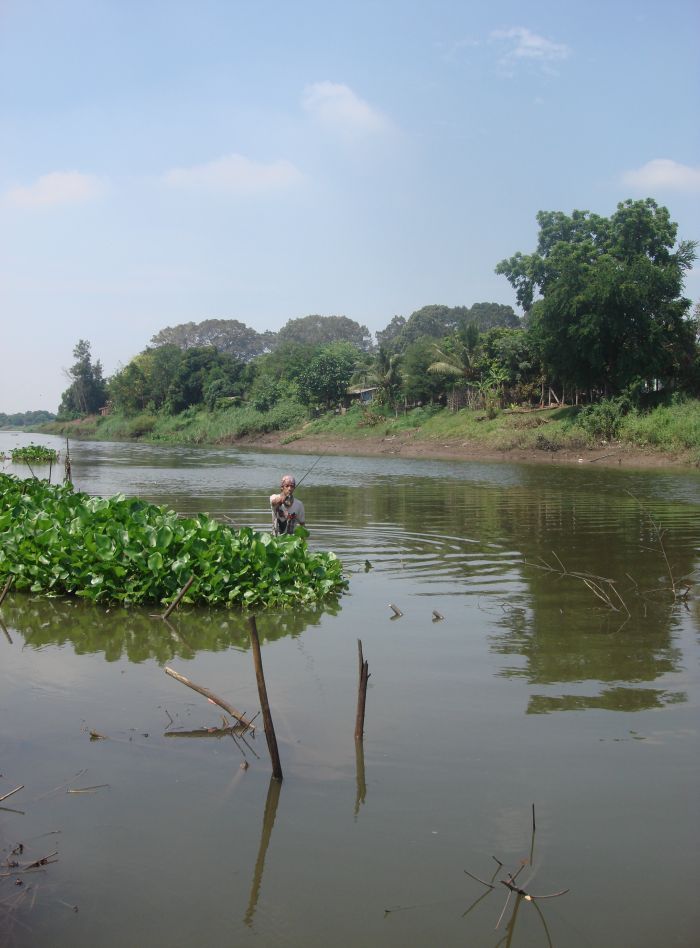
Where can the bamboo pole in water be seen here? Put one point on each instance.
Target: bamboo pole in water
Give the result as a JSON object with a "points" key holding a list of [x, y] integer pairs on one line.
{"points": [[177, 599], [6, 588], [361, 694], [264, 704]]}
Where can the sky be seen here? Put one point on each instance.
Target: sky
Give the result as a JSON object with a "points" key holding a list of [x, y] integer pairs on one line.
{"points": [[170, 162]]}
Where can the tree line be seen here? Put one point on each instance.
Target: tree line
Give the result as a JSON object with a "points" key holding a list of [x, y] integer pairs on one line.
{"points": [[25, 419], [604, 316]]}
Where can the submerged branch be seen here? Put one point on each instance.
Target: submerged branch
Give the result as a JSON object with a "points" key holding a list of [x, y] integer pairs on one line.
{"points": [[215, 699]]}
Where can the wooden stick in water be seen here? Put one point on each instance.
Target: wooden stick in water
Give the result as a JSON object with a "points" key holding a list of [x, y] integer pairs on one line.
{"points": [[6, 588], [21, 787], [238, 715], [175, 603], [361, 694], [264, 704]]}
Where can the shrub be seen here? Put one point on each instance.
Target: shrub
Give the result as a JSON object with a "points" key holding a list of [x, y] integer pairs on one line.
{"points": [[604, 419]]}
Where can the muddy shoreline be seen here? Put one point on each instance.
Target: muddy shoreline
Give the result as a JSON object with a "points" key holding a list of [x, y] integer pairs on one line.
{"points": [[408, 446]]}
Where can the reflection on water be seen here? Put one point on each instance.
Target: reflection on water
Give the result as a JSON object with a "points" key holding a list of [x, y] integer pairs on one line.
{"points": [[271, 803], [133, 633], [609, 699], [460, 734]]}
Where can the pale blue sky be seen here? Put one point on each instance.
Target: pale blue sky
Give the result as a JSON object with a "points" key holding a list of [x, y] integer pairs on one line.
{"points": [[162, 162]]}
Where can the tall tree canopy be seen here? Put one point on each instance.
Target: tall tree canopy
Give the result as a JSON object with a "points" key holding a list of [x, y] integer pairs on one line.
{"points": [[437, 321], [168, 377], [324, 330], [87, 390], [326, 379], [226, 335], [610, 313]]}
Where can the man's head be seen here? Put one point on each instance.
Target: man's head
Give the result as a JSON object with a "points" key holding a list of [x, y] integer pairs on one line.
{"points": [[288, 483]]}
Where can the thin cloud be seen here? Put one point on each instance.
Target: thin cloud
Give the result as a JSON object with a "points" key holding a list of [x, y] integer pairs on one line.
{"points": [[56, 188], [237, 176], [664, 174], [522, 46], [452, 50], [337, 107]]}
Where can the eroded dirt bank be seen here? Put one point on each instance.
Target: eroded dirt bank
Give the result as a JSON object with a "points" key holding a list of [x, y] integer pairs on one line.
{"points": [[407, 446]]}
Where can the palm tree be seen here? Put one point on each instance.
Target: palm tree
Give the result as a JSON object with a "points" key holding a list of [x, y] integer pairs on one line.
{"points": [[383, 373]]}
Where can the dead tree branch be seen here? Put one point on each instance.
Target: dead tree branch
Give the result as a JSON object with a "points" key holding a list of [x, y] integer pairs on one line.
{"points": [[238, 715]]}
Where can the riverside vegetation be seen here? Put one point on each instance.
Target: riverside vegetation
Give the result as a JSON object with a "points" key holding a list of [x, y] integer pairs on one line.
{"points": [[57, 541], [607, 341], [670, 429]]}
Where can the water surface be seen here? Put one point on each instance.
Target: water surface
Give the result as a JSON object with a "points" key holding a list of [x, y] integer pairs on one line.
{"points": [[533, 689]]}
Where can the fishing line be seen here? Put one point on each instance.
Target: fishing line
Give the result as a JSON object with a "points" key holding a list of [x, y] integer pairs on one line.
{"points": [[312, 467]]}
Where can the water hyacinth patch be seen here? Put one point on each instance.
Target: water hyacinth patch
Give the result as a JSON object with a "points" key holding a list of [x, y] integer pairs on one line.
{"points": [[58, 541], [35, 454]]}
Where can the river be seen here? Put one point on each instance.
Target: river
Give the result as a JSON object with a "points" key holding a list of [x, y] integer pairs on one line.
{"points": [[516, 683]]}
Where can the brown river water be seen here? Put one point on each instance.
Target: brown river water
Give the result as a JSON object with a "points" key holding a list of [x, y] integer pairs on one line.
{"points": [[541, 690]]}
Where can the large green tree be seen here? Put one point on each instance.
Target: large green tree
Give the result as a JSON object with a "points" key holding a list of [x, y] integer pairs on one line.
{"points": [[87, 391], [324, 330], [419, 385], [226, 335], [326, 378], [438, 321], [197, 372], [610, 312]]}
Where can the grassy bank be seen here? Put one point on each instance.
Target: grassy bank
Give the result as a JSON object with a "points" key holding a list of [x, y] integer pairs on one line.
{"points": [[672, 429]]}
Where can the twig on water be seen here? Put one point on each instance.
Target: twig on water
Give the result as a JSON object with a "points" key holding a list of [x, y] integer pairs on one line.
{"points": [[510, 882], [477, 879], [99, 786], [217, 732], [660, 540], [602, 587], [16, 790], [44, 861], [212, 697]]}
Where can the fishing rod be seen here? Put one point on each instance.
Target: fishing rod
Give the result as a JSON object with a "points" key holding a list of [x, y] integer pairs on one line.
{"points": [[323, 453]]}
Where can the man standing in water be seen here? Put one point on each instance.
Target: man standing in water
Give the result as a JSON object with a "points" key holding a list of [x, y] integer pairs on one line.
{"points": [[287, 511]]}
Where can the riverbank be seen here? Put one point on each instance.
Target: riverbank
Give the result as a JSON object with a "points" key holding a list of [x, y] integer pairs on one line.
{"points": [[408, 446], [668, 436]]}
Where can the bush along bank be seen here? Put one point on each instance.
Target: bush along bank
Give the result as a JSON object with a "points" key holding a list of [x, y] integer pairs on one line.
{"points": [[671, 428], [57, 541]]}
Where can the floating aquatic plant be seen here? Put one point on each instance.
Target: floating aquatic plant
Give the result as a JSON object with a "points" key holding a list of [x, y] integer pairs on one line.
{"points": [[35, 454], [58, 541]]}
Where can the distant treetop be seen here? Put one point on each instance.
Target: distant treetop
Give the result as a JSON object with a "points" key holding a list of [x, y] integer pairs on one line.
{"points": [[437, 321], [226, 335], [322, 330]]}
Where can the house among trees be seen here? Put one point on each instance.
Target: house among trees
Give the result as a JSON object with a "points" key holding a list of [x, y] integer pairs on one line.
{"points": [[362, 395]]}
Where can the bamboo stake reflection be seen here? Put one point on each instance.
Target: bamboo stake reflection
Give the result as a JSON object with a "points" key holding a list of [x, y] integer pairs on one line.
{"points": [[360, 775], [273, 796]]}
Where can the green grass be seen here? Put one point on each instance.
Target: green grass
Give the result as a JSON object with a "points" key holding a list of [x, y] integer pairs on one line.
{"points": [[672, 428]]}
